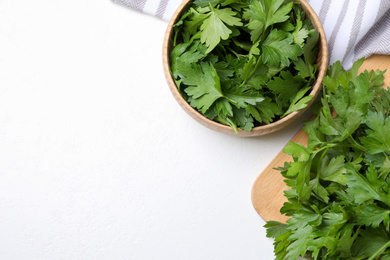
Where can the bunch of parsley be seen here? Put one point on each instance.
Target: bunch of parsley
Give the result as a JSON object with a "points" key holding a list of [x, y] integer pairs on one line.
{"points": [[339, 196], [244, 63]]}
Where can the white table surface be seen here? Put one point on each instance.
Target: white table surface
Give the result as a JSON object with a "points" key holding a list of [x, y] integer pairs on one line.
{"points": [[98, 161]]}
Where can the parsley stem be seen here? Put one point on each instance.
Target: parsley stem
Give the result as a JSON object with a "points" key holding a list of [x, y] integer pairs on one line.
{"points": [[324, 148], [320, 161], [356, 144], [175, 38], [252, 72], [211, 7], [227, 121], [231, 100], [379, 251], [239, 56]]}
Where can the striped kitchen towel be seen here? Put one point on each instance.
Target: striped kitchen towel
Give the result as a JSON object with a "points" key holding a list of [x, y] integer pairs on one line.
{"points": [[354, 28]]}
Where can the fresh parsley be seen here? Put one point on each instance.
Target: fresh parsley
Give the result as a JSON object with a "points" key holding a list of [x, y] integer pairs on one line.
{"points": [[244, 63], [339, 185]]}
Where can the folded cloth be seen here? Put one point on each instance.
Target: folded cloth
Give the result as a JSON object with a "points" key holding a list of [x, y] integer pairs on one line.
{"points": [[354, 28], [163, 9]]}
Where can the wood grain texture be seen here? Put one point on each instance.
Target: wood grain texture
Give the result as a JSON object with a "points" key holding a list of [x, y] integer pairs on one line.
{"points": [[267, 191], [322, 63]]}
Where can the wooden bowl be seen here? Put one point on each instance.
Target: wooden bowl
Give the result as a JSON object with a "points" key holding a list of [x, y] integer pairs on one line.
{"points": [[322, 63]]}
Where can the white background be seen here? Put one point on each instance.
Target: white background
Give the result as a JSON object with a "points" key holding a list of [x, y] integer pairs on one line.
{"points": [[98, 161]]}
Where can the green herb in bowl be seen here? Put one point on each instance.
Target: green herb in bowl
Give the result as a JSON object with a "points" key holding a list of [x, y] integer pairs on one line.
{"points": [[246, 64]]}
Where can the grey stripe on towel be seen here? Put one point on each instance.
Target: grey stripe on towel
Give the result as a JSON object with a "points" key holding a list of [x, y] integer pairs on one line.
{"points": [[135, 4], [335, 32], [357, 22], [324, 10], [161, 8], [377, 39]]}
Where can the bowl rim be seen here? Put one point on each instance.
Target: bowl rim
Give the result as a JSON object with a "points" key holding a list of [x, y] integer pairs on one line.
{"points": [[322, 63]]}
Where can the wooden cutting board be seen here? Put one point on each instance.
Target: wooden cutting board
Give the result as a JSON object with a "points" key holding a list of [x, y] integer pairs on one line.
{"points": [[267, 191]]}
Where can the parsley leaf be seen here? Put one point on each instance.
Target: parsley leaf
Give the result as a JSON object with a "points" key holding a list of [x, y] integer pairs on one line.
{"points": [[299, 245], [265, 13], [206, 89], [364, 189], [299, 101], [241, 98], [278, 48], [214, 27], [286, 87], [377, 139], [373, 215], [265, 111], [299, 33]]}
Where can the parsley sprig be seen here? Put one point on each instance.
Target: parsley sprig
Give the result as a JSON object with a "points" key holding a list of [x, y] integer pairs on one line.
{"points": [[244, 63], [339, 196]]}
